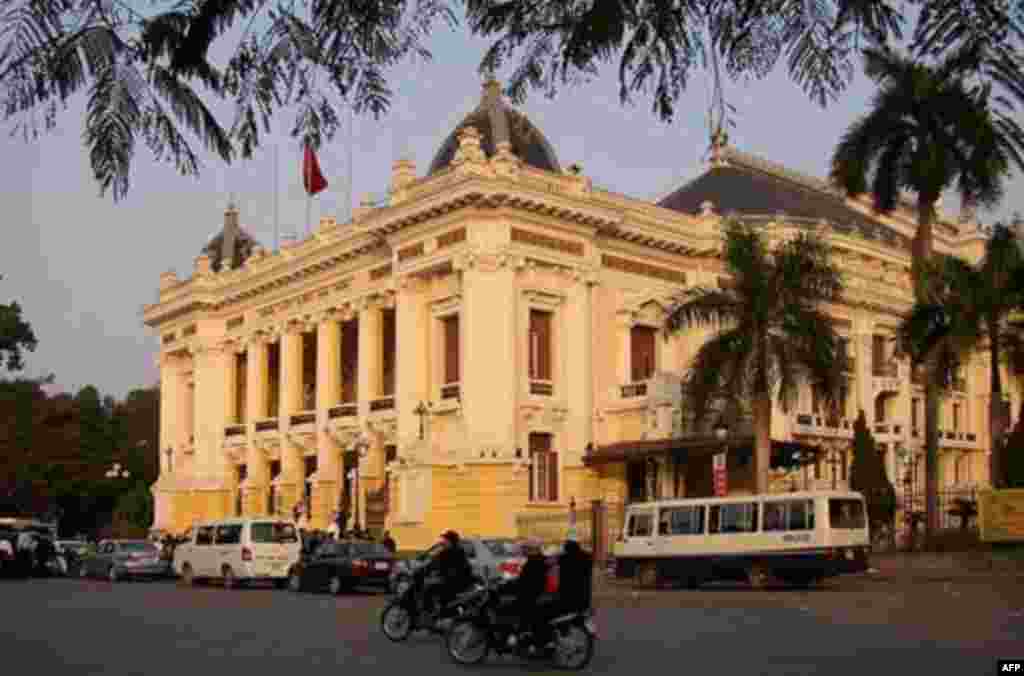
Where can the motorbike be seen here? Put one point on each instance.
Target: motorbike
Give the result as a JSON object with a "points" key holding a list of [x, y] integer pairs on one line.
{"points": [[486, 626], [405, 613]]}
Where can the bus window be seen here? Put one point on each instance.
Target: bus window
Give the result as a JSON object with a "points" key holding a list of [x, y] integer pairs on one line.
{"points": [[739, 518], [683, 520], [640, 525], [846, 513], [788, 515]]}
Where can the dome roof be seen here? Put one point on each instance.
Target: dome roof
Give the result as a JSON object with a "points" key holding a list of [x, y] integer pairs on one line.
{"points": [[244, 246], [497, 122]]}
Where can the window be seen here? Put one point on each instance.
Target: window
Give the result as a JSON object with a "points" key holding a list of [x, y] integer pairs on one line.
{"points": [[349, 360], [880, 408], [789, 515], [273, 379], [451, 349], [204, 536], [739, 518], [241, 374], [956, 417], [543, 469], [387, 357], [846, 514], [682, 521], [640, 525], [642, 352], [914, 405], [540, 345], [274, 532], [816, 399], [229, 535]]}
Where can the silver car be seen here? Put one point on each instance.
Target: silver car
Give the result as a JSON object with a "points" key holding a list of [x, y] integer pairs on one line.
{"points": [[123, 559], [491, 558]]}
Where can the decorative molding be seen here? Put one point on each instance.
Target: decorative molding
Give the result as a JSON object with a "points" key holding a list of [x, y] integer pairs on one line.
{"points": [[644, 269], [536, 239], [409, 252], [544, 299], [446, 306], [451, 238], [381, 272]]}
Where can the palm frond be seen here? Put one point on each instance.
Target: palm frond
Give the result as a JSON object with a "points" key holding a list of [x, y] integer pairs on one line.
{"points": [[113, 116], [720, 366], [699, 306]]}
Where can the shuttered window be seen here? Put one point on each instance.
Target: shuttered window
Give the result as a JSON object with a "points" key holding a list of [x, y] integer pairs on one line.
{"points": [[451, 349], [388, 345], [241, 374], [540, 345], [543, 469], [642, 345], [273, 379]]}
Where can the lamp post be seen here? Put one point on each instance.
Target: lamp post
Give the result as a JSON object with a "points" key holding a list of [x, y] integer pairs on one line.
{"points": [[719, 467], [422, 410], [361, 447], [802, 457]]}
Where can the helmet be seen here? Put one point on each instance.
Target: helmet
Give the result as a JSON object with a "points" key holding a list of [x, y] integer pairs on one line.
{"points": [[451, 536], [571, 547]]}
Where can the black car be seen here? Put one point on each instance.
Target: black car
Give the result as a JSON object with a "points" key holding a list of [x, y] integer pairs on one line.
{"points": [[339, 566]]}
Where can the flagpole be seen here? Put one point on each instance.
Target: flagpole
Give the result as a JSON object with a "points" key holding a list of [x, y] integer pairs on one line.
{"points": [[309, 186], [277, 225]]}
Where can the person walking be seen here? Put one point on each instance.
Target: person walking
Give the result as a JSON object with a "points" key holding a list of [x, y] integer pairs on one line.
{"points": [[389, 542]]}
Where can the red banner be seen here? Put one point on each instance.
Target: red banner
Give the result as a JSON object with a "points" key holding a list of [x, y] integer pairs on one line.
{"points": [[312, 179]]}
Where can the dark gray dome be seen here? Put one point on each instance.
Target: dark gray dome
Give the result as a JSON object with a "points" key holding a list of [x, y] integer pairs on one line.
{"points": [[497, 122], [244, 245]]}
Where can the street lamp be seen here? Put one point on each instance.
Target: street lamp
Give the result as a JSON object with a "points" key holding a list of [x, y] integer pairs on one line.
{"points": [[802, 458], [721, 430], [422, 410], [361, 448]]}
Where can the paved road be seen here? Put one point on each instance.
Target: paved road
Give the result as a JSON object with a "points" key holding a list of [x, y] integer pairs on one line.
{"points": [[90, 628]]}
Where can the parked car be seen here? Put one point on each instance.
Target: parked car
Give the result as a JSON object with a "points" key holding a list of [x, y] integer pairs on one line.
{"points": [[123, 559], [339, 566], [491, 558], [239, 550]]}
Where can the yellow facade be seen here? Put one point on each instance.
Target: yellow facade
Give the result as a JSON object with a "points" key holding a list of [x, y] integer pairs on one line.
{"points": [[489, 239]]}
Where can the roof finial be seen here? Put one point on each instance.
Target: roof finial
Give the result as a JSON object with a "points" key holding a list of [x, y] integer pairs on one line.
{"points": [[719, 141], [232, 201], [492, 89]]}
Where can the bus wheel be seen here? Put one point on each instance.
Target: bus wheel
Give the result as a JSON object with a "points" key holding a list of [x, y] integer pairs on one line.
{"points": [[758, 576]]}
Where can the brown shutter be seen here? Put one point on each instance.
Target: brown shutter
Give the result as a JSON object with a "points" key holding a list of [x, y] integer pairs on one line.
{"points": [[552, 459], [388, 352], [241, 369], [544, 342], [642, 343], [451, 349]]}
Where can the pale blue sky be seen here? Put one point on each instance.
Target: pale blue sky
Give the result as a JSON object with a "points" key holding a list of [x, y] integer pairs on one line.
{"points": [[83, 267]]}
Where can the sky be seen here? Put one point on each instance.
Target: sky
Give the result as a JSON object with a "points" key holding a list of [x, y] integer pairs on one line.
{"points": [[83, 266]]}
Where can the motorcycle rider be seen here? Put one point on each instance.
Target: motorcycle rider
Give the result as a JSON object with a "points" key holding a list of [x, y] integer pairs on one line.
{"points": [[528, 588], [575, 578], [456, 573]]}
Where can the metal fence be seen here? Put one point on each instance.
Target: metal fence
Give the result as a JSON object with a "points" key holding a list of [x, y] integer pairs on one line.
{"points": [[553, 528], [948, 500]]}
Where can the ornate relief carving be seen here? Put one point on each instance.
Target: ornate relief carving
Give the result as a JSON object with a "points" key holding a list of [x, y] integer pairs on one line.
{"points": [[446, 305], [451, 238], [536, 239], [645, 269], [543, 298]]}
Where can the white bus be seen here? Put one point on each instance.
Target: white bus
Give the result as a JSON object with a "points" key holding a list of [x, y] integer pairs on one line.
{"points": [[795, 538]]}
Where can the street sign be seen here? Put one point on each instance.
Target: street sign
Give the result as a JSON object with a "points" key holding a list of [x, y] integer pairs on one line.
{"points": [[720, 474]]}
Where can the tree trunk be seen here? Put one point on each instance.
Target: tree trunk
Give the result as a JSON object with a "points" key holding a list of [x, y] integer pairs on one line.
{"points": [[922, 255], [762, 441], [998, 411]]}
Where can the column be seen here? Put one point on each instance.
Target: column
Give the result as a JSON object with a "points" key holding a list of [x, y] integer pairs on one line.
{"points": [[328, 363], [170, 411], [292, 470], [369, 355], [489, 327], [413, 383], [325, 490], [578, 390], [256, 382], [865, 384], [211, 462]]}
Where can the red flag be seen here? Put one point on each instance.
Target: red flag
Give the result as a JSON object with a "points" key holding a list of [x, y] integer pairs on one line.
{"points": [[312, 179]]}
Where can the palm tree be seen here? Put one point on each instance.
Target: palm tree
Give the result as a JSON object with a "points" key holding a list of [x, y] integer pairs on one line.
{"points": [[970, 312], [772, 333], [928, 130]]}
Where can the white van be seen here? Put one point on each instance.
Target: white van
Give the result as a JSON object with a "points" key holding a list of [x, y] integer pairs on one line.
{"points": [[238, 551], [796, 538]]}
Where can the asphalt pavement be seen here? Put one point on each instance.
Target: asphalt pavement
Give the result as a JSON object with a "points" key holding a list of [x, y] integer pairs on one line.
{"points": [[93, 628]]}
